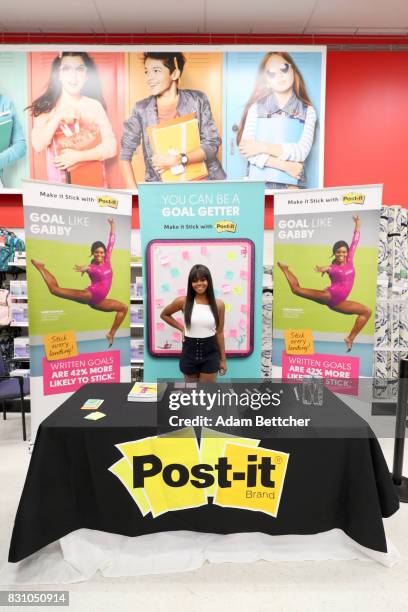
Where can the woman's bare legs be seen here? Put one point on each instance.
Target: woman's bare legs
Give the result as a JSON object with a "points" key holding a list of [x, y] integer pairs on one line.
{"points": [[363, 314], [82, 296], [191, 377], [113, 306], [321, 296], [208, 377]]}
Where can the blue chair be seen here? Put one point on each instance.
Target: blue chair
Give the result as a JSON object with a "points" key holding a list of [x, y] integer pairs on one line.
{"points": [[13, 387]]}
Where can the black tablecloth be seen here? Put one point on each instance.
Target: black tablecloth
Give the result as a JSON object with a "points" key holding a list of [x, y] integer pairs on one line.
{"points": [[332, 481]]}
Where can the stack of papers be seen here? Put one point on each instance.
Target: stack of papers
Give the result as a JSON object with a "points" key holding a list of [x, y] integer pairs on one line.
{"points": [[147, 392]]}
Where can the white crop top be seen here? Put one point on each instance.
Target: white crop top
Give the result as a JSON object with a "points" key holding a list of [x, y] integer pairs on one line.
{"points": [[202, 322]]}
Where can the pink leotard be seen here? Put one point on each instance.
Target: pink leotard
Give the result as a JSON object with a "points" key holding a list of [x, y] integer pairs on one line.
{"points": [[342, 277], [101, 275]]}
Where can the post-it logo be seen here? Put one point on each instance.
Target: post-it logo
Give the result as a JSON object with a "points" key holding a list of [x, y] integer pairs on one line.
{"points": [[104, 201], [61, 345], [171, 472], [226, 226], [353, 198]]}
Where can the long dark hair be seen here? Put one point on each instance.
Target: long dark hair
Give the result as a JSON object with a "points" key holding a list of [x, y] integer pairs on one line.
{"points": [[92, 86], [262, 89], [96, 245], [337, 245], [198, 272]]}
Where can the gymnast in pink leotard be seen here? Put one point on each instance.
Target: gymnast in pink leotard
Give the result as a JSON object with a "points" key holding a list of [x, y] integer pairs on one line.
{"points": [[341, 273], [100, 273]]}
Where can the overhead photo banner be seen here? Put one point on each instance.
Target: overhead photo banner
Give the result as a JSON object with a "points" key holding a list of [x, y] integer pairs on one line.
{"points": [[78, 266], [216, 225], [325, 283], [108, 117]]}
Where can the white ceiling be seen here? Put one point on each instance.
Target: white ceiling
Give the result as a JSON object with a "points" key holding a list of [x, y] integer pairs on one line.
{"points": [[385, 17]]}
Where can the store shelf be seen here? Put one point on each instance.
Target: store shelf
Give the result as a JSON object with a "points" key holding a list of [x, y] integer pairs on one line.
{"points": [[138, 300], [136, 361], [17, 264], [18, 324], [135, 264], [19, 359], [19, 297], [388, 349], [136, 325]]}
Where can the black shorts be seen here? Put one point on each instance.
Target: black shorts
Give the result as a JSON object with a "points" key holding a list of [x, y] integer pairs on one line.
{"points": [[200, 355]]}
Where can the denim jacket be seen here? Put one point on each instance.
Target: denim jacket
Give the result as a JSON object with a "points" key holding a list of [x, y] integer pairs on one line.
{"points": [[144, 114], [18, 146]]}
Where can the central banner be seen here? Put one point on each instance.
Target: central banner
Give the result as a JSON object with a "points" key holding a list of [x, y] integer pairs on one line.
{"points": [[213, 230]]}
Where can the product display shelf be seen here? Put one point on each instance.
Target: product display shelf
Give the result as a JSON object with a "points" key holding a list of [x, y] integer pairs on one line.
{"points": [[136, 331]]}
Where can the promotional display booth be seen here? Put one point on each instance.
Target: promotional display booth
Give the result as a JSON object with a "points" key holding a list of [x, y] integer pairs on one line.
{"points": [[203, 382]]}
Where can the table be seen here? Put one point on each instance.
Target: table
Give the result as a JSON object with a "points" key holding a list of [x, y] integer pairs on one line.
{"points": [[336, 476]]}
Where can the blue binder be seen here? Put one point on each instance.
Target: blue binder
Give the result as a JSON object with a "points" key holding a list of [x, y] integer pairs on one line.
{"points": [[276, 130]]}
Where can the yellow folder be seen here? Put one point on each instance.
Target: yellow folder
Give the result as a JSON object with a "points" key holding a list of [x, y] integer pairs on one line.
{"points": [[181, 135]]}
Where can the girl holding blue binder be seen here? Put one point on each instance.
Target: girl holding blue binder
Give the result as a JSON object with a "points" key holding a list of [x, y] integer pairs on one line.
{"points": [[278, 124]]}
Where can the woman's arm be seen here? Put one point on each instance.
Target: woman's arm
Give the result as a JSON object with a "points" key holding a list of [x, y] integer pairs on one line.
{"points": [[104, 150], [294, 169], [18, 146], [111, 240], [131, 139], [46, 124], [81, 269], [255, 151], [175, 306], [355, 239], [322, 269], [219, 336], [298, 151]]}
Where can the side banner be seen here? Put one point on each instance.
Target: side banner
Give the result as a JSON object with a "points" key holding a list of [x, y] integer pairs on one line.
{"points": [[216, 225], [78, 275], [325, 281]]}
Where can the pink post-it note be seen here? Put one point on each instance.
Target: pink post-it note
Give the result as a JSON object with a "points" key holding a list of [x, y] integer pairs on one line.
{"points": [[204, 250], [242, 324], [181, 292], [243, 275], [244, 308], [159, 303], [233, 333], [185, 255], [164, 260], [176, 336], [226, 288], [160, 326]]}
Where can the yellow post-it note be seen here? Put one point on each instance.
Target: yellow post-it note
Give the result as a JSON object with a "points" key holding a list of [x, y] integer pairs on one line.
{"points": [[95, 416], [299, 342], [212, 448], [92, 404], [60, 345], [261, 479], [231, 256], [179, 447], [237, 290], [124, 472]]}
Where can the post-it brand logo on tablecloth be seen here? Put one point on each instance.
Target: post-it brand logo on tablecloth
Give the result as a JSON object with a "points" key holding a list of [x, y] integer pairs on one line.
{"points": [[171, 472], [354, 198], [104, 201], [60, 345], [226, 226]]}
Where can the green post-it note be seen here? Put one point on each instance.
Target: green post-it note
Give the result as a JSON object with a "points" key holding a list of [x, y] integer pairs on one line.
{"points": [[95, 416], [92, 404]]}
